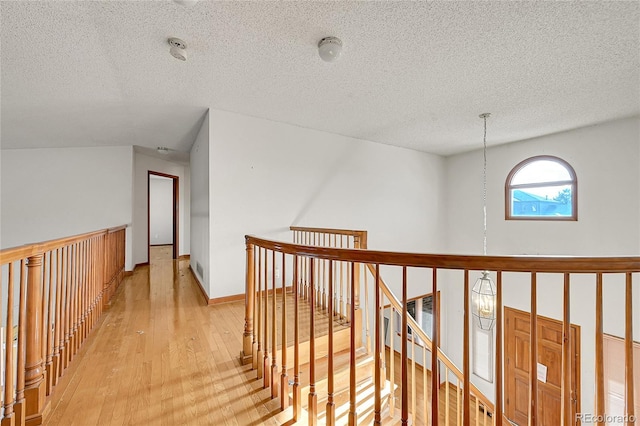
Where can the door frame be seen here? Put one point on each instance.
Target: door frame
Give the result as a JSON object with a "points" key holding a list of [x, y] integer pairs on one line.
{"points": [[577, 356], [176, 193]]}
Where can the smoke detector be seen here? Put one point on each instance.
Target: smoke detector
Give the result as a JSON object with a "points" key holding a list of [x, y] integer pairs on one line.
{"points": [[178, 48]]}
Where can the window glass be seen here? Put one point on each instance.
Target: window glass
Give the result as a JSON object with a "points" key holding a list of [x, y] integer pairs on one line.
{"points": [[541, 188]]}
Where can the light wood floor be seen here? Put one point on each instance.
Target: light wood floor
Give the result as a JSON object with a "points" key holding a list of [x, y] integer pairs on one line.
{"points": [[161, 357]]}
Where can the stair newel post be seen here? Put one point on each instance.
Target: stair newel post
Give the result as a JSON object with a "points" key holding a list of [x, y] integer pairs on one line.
{"points": [[353, 415], [331, 407], [249, 299], [297, 404], [313, 397], [356, 314], [284, 379], [266, 377], [34, 382], [378, 350], [274, 334]]}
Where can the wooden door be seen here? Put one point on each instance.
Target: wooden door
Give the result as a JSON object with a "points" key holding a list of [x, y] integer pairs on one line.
{"points": [[516, 342]]}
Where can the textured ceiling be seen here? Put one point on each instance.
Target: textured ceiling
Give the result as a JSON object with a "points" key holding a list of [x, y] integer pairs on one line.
{"points": [[412, 74]]}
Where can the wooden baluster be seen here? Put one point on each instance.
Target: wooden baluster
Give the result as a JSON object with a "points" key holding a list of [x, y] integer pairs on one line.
{"points": [[331, 408], [43, 286], [25, 277], [600, 407], [256, 312], [403, 341], [82, 296], [425, 387], [628, 356], [8, 418], [342, 313], [274, 334], [305, 272], [297, 404], [265, 360], [91, 298], [66, 310], [414, 386], [106, 254], [350, 288], [497, 417], [81, 289], [459, 407], [533, 354], [355, 294], [366, 311], [260, 353], [378, 352], [284, 379], [34, 374], [323, 278], [49, 327], [435, 344], [567, 363], [466, 371], [312, 405], [74, 301], [249, 300], [336, 305], [446, 397], [353, 415], [477, 412], [55, 369], [392, 360]]}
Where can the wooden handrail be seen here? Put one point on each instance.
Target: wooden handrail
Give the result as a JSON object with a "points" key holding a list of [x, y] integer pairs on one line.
{"points": [[12, 254], [539, 264]]}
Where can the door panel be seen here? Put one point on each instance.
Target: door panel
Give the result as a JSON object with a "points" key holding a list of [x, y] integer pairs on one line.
{"points": [[517, 365]]}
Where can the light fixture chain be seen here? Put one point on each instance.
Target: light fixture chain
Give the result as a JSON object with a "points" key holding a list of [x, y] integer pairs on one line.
{"points": [[484, 185]]}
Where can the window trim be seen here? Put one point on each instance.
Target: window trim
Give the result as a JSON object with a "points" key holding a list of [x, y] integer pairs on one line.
{"points": [[573, 182]]}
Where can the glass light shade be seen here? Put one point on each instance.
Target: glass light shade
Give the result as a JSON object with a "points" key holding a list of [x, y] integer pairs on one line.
{"points": [[483, 301]]}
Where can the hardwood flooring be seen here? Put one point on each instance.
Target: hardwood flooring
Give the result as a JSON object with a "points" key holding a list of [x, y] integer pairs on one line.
{"points": [[161, 357]]}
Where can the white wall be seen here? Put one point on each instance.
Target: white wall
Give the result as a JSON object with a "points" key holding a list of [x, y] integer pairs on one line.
{"points": [[53, 193], [605, 158], [142, 164], [266, 176], [200, 200], [160, 210]]}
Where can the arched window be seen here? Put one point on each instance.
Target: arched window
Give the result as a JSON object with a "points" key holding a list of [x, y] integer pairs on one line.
{"points": [[542, 188]]}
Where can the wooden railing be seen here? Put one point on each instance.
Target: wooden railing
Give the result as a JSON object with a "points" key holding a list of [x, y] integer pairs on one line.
{"points": [[52, 295], [311, 270]]}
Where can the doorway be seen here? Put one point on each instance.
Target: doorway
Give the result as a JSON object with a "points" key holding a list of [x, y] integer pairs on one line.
{"points": [[516, 338], [162, 211]]}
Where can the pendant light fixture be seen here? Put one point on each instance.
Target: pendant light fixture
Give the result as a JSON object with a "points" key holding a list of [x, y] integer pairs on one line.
{"points": [[483, 294]]}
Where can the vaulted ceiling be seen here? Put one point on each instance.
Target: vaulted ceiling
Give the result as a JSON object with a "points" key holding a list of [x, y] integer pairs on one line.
{"points": [[412, 74]]}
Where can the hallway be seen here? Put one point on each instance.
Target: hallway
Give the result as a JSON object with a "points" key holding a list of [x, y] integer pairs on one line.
{"points": [[159, 356]]}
